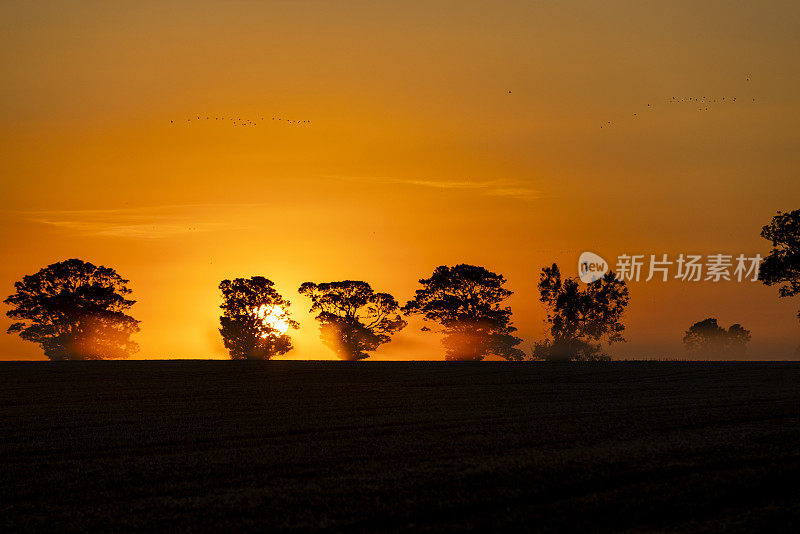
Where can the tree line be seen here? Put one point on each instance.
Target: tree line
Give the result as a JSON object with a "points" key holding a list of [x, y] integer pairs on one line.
{"points": [[76, 310]]}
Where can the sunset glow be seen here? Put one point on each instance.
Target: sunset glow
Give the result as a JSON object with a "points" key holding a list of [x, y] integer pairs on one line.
{"points": [[380, 140]]}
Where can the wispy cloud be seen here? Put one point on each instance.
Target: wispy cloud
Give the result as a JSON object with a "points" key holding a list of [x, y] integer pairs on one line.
{"points": [[521, 193], [495, 188], [154, 222]]}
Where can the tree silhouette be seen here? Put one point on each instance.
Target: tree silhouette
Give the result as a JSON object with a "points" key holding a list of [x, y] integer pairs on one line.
{"points": [[75, 311], [255, 319], [467, 301], [354, 320], [709, 337], [738, 338], [782, 265], [580, 319]]}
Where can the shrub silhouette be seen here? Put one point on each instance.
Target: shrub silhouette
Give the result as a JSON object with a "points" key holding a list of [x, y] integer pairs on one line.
{"points": [[708, 336], [467, 301], [75, 311]]}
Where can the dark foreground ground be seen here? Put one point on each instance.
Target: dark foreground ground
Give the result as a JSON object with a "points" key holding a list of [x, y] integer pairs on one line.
{"points": [[205, 445]]}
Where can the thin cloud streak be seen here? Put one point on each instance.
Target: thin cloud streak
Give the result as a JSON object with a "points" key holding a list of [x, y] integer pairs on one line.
{"points": [[151, 211], [154, 222], [495, 188]]}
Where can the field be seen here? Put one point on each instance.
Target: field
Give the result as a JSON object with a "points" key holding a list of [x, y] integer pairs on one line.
{"points": [[380, 446]]}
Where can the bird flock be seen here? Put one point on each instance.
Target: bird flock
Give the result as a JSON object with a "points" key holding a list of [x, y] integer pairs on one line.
{"points": [[241, 121], [703, 103]]}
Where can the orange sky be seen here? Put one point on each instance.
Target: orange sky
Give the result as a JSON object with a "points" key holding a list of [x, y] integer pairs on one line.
{"points": [[416, 155]]}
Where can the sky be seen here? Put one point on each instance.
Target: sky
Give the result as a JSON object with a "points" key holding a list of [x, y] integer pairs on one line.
{"points": [[439, 133]]}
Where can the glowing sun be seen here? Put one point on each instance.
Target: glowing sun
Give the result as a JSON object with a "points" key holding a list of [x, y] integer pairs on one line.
{"points": [[273, 318]]}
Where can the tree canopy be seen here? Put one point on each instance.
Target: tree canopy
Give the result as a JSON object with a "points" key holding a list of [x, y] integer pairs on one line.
{"points": [[782, 266], [255, 319], [354, 320], [467, 301], [75, 311], [708, 336], [580, 318]]}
